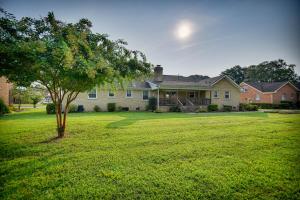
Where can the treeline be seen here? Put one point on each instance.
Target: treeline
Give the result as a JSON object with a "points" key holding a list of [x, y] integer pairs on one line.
{"points": [[268, 71]]}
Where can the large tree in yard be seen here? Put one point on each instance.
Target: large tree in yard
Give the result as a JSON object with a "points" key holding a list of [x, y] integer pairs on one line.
{"points": [[67, 58]]}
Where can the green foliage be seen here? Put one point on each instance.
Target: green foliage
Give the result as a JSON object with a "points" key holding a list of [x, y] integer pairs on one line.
{"points": [[97, 108], [50, 108], [273, 71], [67, 58], [248, 107], [227, 108], [73, 108], [111, 107], [212, 107], [152, 103], [236, 73], [175, 109], [143, 155], [281, 105], [3, 107]]}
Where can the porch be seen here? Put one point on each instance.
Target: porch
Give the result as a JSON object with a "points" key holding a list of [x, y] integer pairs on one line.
{"points": [[184, 97]]}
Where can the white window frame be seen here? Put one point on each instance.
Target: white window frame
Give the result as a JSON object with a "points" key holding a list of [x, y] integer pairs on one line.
{"points": [[229, 95], [147, 95], [126, 94], [217, 92], [110, 91], [93, 97], [283, 97], [257, 97]]}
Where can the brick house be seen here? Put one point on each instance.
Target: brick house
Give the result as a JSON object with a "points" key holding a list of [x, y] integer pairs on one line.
{"points": [[6, 91], [187, 92], [273, 92]]}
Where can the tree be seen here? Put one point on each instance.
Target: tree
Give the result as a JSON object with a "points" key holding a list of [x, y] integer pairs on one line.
{"points": [[67, 58], [236, 73], [20, 95], [272, 71]]}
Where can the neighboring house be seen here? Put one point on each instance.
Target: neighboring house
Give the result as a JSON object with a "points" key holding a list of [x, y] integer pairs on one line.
{"points": [[6, 91], [273, 92], [189, 93]]}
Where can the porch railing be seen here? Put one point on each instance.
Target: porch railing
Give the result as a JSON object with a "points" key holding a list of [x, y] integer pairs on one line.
{"points": [[184, 101]]}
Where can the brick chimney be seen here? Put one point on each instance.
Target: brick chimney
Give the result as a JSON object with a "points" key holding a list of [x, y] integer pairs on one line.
{"points": [[158, 73]]}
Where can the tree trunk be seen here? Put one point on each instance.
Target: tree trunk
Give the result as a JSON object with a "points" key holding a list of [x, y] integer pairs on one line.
{"points": [[60, 126]]}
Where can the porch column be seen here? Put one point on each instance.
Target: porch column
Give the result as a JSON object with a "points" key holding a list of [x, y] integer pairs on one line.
{"points": [[158, 97], [177, 96]]}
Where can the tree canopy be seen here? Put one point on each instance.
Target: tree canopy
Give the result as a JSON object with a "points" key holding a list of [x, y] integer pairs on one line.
{"points": [[272, 71], [67, 58]]}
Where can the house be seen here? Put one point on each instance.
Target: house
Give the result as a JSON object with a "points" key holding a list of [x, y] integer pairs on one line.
{"points": [[272, 93], [6, 91], [190, 93]]}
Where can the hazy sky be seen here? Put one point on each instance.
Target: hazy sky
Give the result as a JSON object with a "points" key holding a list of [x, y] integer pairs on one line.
{"points": [[188, 37]]}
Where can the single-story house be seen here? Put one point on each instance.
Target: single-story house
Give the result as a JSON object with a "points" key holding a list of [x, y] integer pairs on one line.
{"points": [[190, 93], [274, 92]]}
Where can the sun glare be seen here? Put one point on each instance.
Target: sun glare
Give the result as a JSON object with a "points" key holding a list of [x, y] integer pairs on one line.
{"points": [[184, 30]]}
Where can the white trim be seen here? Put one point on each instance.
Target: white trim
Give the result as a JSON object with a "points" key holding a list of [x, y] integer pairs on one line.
{"points": [[229, 94], [96, 94], [130, 94], [218, 94], [274, 91], [111, 96], [229, 79], [143, 95]]}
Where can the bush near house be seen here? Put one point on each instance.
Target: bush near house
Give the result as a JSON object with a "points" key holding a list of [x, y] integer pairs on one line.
{"points": [[50, 108], [73, 108], [212, 107], [227, 108], [282, 105], [247, 107], [97, 108], [174, 109], [111, 107], [152, 104], [3, 108]]}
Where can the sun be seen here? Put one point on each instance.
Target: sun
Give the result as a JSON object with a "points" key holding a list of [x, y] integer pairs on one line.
{"points": [[184, 30]]}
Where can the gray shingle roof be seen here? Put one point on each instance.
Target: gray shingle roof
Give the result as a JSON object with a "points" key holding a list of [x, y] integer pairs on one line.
{"points": [[266, 87]]}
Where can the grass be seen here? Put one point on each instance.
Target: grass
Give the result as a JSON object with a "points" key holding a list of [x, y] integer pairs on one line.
{"points": [[151, 156]]}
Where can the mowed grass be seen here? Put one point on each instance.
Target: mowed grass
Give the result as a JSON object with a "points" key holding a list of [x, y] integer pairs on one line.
{"points": [[151, 156]]}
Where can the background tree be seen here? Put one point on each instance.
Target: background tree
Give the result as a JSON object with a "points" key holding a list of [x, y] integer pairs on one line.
{"points": [[236, 73], [66, 58], [272, 71]]}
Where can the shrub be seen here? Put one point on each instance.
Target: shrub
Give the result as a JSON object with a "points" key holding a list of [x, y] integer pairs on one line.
{"points": [[248, 107], [97, 108], [174, 109], [50, 108], [3, 108], [111, 107], [227, 108], [158, 111], [152, 104], [212, 107], [72, 108], [80, 108]]}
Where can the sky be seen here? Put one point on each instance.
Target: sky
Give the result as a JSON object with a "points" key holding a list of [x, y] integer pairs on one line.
{"points": [[187, 37]]}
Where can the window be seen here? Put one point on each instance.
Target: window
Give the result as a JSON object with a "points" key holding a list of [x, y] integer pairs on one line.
{"points": [[215, 94], [257, 97], [245, 89], [145, 95], [128, 93], [283, 97], [227, 95], [111, 93], [92, 94]]}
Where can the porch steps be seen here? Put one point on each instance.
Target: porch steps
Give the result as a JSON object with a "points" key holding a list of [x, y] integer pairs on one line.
{"points": [[189, 108]]}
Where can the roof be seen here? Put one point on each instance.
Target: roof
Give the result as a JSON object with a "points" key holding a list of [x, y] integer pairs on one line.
{"points": [[298, 85], [267, 87]]}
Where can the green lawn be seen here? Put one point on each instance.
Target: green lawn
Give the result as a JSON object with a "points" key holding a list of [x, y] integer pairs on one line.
{"points": [[151, 156]]}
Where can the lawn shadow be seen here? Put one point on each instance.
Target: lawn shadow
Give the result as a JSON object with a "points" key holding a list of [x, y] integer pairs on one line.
{"points": [[130, 118]]}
